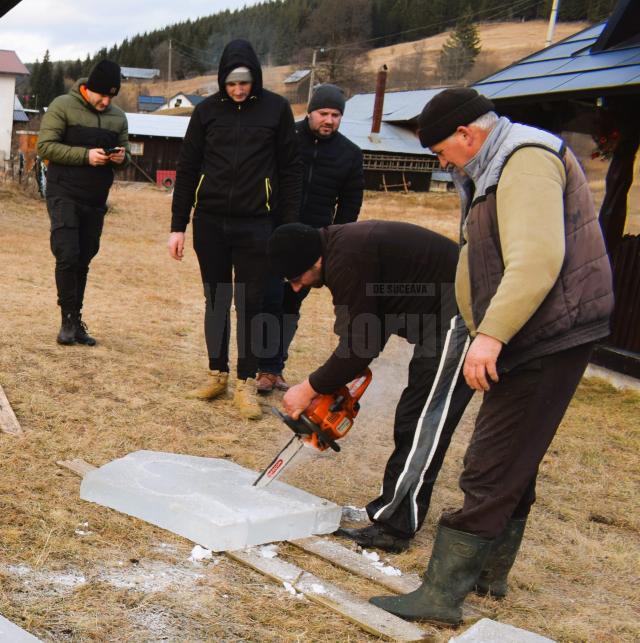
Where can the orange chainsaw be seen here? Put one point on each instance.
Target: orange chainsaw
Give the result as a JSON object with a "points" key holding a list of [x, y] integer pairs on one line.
{"points": [[328, 418]]}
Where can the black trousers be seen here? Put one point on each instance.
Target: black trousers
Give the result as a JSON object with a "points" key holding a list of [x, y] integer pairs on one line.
{"points": [[76, 229], [427, 414], [231, 252], [281, 311], [516, 423]]}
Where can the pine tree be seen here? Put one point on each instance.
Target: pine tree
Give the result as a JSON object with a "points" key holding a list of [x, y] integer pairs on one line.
{"points": [[43, 83], [460, 50], [57, 84]]}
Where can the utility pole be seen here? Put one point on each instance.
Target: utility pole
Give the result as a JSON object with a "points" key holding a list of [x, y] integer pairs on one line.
{"points": [[169, 66], [552, 22], [311, 76]]}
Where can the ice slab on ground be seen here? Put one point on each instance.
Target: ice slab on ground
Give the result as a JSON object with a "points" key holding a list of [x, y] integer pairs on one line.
{"points": [[489, 631], [207, 500], [13, 634]]}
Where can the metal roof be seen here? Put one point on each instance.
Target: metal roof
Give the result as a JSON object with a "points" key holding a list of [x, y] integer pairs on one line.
{"points": [[394, 139], [153, 100], [139, 72], [19, 115], [398, 106], [297, 76], [157, 125], [568, 67], [11, 64]]}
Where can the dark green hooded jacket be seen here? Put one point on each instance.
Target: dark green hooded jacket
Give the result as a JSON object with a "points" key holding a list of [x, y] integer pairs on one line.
{"points": [[70, 128]]}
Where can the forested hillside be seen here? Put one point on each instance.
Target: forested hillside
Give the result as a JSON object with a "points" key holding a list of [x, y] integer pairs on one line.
{"points": [[287, 31]]}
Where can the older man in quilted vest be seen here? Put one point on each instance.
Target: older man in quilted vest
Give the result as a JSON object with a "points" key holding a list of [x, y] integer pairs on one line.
{"points": [[533, 284]]}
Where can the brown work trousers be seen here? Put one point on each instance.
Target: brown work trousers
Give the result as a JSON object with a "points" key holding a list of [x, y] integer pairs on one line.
{"points": [[517, 421]]}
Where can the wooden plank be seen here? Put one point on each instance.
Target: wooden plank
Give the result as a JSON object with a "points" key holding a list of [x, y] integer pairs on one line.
{"points": [[77, 465], [357, 564], [275, 568], [369, 617], [353, 562], [8, 420]]}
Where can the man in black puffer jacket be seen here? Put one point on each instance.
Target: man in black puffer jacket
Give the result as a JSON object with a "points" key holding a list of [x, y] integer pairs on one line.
{"points": [[332, 194], [240, 170]]}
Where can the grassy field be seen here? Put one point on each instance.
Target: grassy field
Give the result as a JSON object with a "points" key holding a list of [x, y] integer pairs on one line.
{"points": [[72, 571]]}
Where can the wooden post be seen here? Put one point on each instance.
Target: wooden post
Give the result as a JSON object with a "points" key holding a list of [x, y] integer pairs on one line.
{"points": [[8, 420]]}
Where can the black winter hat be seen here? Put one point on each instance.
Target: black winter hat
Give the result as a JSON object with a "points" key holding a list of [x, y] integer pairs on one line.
{"points": [[105, 78], [447, 111], [327, 96], [293, 248]]}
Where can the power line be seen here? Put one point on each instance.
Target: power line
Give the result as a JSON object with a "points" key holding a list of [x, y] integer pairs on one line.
{"points": [[519, 5]]}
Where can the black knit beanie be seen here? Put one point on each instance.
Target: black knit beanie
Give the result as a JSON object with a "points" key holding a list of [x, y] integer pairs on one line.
{"points": [[327, 96], [105, 78], [447, 111], [293, 249]]}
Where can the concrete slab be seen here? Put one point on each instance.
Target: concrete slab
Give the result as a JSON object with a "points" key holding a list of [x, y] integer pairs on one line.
{"points": [[10, 633], [489, 631], [209, 501]]}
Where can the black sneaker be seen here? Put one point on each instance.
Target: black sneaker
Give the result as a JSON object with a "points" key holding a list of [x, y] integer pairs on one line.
{"points": [[82, 336], [67, 334], [376, 536]]}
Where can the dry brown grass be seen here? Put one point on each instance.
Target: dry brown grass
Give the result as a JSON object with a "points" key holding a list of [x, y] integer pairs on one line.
{"points": [[576, 579]]}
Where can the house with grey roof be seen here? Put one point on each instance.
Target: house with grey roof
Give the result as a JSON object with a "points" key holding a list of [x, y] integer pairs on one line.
{"points": [[392, 154]]}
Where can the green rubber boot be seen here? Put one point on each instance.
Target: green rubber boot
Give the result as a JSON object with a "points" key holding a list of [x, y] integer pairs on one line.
{"points": [[456, 561], [493, 578]]}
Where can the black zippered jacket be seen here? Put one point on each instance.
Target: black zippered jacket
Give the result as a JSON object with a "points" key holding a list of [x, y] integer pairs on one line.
{"points": [[333, 178], [386, 278], [239, 159]]}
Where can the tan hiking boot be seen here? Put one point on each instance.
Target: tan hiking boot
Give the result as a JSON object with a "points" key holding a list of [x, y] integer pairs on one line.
{"points": [[246, 400], [216, 386]]}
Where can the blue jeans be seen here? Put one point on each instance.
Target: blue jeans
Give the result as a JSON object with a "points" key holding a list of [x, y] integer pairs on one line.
{"points": [[281, 314]]}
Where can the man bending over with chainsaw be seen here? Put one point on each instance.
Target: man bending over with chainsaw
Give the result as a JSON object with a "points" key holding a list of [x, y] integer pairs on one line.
{"points": [[386, 278]]}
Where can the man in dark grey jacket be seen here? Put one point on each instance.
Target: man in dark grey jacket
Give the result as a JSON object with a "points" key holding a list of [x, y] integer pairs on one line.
{"points": [[387, 278], [332, 192], [533, 284]]}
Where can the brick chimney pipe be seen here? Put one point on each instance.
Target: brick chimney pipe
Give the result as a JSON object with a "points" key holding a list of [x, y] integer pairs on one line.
{"points": [[381, 83]]}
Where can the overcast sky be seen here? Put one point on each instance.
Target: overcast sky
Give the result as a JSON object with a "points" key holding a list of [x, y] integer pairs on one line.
{"points": [[70, 29]]}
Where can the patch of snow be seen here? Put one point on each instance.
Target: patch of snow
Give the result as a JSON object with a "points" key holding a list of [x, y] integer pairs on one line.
{"points": [[268, 551], [316, 588], [388, 570], [151, 576], [292, 590], [199, 553], [378, 564]]}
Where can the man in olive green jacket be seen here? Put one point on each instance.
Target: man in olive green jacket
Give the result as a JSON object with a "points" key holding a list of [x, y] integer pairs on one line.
{"points": [[84, 137]]}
